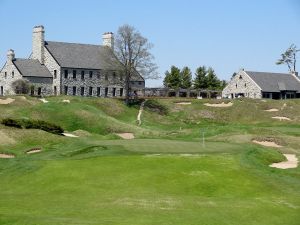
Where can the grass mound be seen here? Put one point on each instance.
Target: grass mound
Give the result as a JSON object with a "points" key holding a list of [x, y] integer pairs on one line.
{"points": [[156, 106]]}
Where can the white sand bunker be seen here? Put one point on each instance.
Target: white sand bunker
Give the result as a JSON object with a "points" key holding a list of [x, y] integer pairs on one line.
{"points": [[292, 162], [183, 103], [43, 100], [34, 150], [221, 105], [66, 101], [6, 101], [272, 110], [126, 136], [281, 118], [6, 156], [70, 135], [267, 143]]}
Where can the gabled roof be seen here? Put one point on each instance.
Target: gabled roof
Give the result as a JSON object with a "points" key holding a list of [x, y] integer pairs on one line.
{"points": [[275, 82], [83, 56], [31, 68]]}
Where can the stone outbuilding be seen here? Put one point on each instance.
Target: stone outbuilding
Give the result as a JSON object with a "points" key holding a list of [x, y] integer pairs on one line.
{"points": [[56, 68], [263, 85]]}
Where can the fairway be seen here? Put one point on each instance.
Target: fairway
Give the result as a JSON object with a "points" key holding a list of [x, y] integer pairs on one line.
{"points": [[166, 175]]}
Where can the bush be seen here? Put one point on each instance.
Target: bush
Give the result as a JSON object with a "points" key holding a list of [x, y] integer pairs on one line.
{"points": [[21, 86], [33, 124], [155, 106]]}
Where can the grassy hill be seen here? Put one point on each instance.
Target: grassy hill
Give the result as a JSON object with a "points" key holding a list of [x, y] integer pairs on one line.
{"points": [[166, 175]]}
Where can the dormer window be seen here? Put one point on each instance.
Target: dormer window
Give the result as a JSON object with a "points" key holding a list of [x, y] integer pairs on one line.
{"points": [[106, 77], [55, 74], [240, 77], [82, 75], [91, 74], [74, 74]]}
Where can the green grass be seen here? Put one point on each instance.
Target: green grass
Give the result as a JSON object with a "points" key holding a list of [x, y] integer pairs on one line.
{"points": [[164, 176]]}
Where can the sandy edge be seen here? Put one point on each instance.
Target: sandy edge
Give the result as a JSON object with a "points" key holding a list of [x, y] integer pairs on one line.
{"points": [[6, 101], [267, 143], [126, 136], [6, 156], [290, 163], [221, 105]]}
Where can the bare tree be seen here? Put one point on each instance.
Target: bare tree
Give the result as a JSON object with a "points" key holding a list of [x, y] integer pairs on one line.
{"points": [[133, 51], [289, 58]]}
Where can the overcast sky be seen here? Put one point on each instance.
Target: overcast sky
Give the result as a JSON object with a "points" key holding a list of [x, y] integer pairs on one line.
{"points": [[226, 35]]}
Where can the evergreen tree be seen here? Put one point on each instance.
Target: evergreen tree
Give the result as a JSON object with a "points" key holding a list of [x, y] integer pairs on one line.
{"points": [[172, 78], [186, 78], [200, 81], [223, 84], [212, 80]]}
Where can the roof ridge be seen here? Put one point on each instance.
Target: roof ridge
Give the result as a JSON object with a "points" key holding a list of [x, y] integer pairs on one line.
{"points": [[61, 42], [266, 72]]}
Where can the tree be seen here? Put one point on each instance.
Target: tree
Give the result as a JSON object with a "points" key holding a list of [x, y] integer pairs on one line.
{"points": [[200, 80], [212, 80], [21, 86], [172, 78], [289, 58], [223, 84], [133, 51], [186, 78]]}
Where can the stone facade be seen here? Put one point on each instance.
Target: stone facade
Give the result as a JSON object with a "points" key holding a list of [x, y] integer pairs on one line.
{"points": [[8, 75], [242, 85]]}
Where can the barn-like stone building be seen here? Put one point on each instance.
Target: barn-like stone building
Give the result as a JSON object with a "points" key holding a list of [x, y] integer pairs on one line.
{"points": [[56, 68], [263, 85]]}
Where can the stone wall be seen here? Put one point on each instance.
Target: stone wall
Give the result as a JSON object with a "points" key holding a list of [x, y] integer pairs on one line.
{"points": [[241, 83], [12, 74], [44, 83]]}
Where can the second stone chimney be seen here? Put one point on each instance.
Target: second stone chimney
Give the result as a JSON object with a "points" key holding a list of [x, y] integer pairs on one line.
{"points": [[108, 40], [38, 40], [10, 55]]}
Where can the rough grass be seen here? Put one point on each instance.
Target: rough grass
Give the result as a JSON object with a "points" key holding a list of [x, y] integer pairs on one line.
{"points": [[165, 176]]}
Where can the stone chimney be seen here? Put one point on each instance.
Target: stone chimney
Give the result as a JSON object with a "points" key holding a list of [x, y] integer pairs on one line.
{"points": [[108, 40], [38, 40], [10, 55]]}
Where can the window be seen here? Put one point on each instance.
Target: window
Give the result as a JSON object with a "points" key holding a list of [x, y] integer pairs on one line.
{"points": [[106, 77], [66, 90], [114, 92], [114, 75], [82, 75], [12, 74], [82, 91], [55, 74], [140, 82], [55, 90], [121, 77], [235, 85], [74, 74], [91, 74], [98, 75], [121, 92], [106, 91], [98, 91], [245, 85], [66, 74], [5, 75], [132, 82], [90, 91], [240, 77], [39, 91], [74, 90]]}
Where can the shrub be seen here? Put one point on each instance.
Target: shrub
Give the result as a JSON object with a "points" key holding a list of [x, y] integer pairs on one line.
{"points": [[155, 106], [21, 86], [33, 124]]}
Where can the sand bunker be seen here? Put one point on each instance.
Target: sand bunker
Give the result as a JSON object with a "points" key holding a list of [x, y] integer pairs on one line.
{"points": [[267, 143], [221, 105], [6, 156], [70, 135], [281, 118], [183, 103], [6, 101], [292, 162], [34, 150], [66, 101], [272, 110], [126, 136], [43, 100]]}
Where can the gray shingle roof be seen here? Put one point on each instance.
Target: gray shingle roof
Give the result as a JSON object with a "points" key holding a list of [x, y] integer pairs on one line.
{"points": [[275, 82], [73, 55], [31, 68]]}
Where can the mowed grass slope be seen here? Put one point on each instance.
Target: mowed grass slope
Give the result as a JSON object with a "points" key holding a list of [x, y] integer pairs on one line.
{"points": [[167, 175]]}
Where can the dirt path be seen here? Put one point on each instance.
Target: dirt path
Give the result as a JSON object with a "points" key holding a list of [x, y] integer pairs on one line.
{"points": [[221, 105], [138, 119], [292, 162]]}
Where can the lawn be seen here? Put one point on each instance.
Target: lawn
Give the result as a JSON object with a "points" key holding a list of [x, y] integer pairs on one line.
{"points": [[164, 176]]}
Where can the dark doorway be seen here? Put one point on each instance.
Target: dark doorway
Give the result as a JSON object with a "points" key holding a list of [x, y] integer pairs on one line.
{"points": [[82, 91], [106, 91], [91, 91], [74, 90], [121, 92], [66, 90], [39, 91], [1, 92], [98, 91], [55, 91], [114, 92]]}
